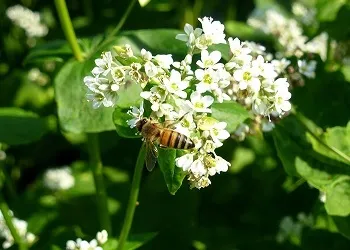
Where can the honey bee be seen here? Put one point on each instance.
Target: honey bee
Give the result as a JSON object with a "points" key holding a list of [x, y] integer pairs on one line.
{"points": [[155, 134]]}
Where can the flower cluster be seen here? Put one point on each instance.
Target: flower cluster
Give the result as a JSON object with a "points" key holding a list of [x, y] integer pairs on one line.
{"points": [[185, 91], [21, 227], [290, 35], [95, 244], [58, 178], [27, 20]]}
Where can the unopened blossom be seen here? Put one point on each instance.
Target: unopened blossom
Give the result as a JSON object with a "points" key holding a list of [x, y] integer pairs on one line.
{"points": [[59, 178], [22, 229], [94, 244]]}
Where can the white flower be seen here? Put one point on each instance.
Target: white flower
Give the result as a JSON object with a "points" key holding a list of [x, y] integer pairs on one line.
{"points": [[104, 64], [307, 68], [219, 165], [186, 125], [98, 98], [280, 65], [281, 101], [150, 69], [247, 77], [184, 161], [190, 35], [267, 126], [265, 69], [218, 133], [208, 80], [102, 237], [175, 85], [137, 113], [322, 197], [146, 55], [214, 30], [59, 178], [237, 48], [156, 96], [198, 168], [21, 227], [164, 61], [210, 60], [27, 20], [70, 245], [200, 103]]}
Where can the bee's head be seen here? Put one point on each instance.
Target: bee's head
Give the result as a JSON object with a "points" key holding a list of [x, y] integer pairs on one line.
{"points": [[140, 124]]}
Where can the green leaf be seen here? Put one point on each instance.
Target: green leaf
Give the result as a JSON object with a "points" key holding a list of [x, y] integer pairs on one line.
{"points": [[165, 41], [338, 197], [134, 241], [230, 112], [243, 31], [18, 126], [57, 51], [343, 225], [298, 157], [339, 139], [75, 113], [120, 118], [328, 10], [143, 3], [173, 175]]}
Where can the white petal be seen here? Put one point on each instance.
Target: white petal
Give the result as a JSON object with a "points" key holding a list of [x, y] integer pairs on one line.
{"points": [[208, 100]]}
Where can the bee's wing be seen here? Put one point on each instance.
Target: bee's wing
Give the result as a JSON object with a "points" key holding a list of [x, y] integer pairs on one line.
{"points": [[151, 155]]}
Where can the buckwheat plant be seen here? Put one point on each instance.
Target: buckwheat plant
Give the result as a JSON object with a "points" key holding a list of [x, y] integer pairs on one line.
{"points": [[291, 41], [185, 90], [21, 227], [95, 244]]}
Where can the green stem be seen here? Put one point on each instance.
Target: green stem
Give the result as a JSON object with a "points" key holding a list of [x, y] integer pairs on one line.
{"points": [[119, 25], [68, 30], [8, 219], [97, 171], [134, 192]]}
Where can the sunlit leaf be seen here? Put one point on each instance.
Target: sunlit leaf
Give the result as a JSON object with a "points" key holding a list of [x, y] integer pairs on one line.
{"points": [[230, 112], [338, 197], [74, 112]]}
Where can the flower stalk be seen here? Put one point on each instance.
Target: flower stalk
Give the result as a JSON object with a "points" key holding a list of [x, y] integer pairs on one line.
{"points": [[97, 171], [92, 141], [6, 213], [135, 187], [68, 30]]}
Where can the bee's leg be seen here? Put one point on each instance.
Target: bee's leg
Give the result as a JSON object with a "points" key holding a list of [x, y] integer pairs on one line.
{"points": [[169, 124]]}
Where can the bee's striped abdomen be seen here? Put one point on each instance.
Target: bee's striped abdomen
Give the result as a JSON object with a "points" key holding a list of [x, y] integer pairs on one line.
{"points": [[172, 139]]}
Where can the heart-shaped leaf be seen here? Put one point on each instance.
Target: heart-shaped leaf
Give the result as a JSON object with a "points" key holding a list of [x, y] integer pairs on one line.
{"points": [[173, 175]]}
